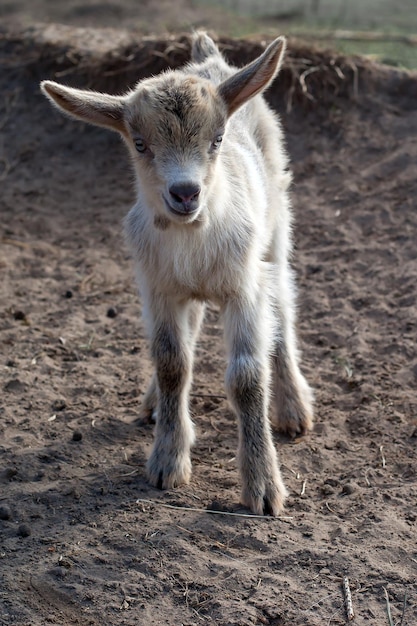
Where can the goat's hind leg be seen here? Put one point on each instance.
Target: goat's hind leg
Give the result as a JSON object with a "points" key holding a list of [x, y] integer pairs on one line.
{"points": [[147, 411], [292, 394], [169, 464]]}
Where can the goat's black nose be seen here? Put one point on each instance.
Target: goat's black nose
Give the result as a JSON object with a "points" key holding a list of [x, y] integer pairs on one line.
{"points": [[186, 194]]}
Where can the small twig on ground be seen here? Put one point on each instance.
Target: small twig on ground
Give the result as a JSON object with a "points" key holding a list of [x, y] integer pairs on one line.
{"points": [[291, 470], [14, 242], [320, 602], [338, 71], [384, 463], [214, 426], [302, 79], [348, 599], [190, 532], [195, 510], [391, 623], [200, 616], [135, 471], [330, 509], [355, 79], [303, 488], [404, 607]]}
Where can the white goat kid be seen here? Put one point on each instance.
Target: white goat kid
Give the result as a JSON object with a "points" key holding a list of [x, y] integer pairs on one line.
{"points": [[212, 222]]}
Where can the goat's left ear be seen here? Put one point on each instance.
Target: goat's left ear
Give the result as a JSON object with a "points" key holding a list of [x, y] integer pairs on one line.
{"points": [[89, 106], [253, 78]]}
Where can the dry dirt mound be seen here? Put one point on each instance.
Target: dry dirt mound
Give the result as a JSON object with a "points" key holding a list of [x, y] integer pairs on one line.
{"points": [[76, 546]]}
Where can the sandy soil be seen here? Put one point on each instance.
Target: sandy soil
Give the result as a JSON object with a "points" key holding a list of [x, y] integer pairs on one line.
{"points": [[76, 546]]}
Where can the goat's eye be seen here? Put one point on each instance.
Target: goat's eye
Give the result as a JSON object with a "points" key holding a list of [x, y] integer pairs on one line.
{"points": [[217, 141], [140, 145]]}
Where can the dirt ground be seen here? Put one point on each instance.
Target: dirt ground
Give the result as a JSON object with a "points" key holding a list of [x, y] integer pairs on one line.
{"points": [[83, 538]]}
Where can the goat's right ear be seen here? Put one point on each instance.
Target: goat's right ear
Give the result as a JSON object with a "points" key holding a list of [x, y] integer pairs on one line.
{"points": [[89, 106], [253, 78]]}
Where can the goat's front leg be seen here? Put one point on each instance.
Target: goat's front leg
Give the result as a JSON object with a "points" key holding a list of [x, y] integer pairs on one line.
{"points": [[169, 464], [147, 411], [249, 333]]}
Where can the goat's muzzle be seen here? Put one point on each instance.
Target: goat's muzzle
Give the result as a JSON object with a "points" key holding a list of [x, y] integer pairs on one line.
{"points": [[184, 198]]}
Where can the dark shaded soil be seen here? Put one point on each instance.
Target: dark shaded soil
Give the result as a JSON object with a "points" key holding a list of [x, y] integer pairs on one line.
{"points": [[75, 545]]}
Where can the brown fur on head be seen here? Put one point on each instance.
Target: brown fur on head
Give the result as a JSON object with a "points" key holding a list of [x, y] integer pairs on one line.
{"points": [[180, 101]]}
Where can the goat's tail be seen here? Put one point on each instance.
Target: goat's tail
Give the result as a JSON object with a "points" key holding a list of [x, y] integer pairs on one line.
{"points": [[203, 47]]}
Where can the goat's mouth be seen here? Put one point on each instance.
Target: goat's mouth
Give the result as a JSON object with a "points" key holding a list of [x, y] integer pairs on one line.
{"points": [[185, 213]]}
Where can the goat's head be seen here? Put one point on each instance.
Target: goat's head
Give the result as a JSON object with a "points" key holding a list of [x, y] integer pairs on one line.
{"points": [[173, 125]]}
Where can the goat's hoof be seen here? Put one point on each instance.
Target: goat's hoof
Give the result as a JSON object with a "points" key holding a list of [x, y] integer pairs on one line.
{"points": [[295, 427], [267, 501], [168, 472], [147, 415], [294, 419]]}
